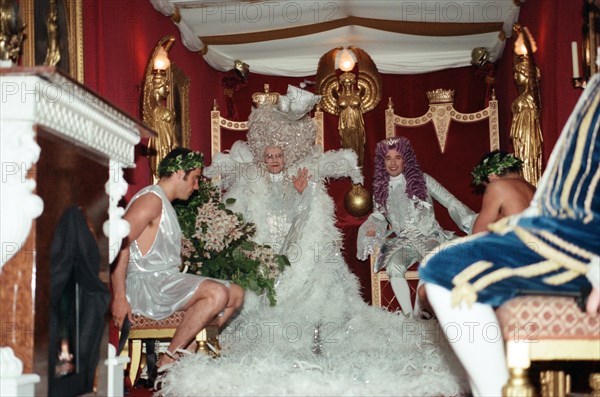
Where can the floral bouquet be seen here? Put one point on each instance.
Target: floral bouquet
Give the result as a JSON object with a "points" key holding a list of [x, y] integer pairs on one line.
{"points": [[217, 243]]}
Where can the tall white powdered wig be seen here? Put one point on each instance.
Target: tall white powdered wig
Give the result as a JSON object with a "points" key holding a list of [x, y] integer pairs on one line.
{"points": [[285, 125]]}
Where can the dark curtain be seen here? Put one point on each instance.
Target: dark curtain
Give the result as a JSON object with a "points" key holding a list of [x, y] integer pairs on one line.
{"points": [[78, 302]]}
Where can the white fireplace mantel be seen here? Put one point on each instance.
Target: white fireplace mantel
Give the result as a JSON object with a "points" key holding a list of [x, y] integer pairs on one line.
{"points": [[45, 97]]}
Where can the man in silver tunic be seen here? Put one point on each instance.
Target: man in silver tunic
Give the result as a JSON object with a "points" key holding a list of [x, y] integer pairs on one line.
{"points": [[146, 279]]}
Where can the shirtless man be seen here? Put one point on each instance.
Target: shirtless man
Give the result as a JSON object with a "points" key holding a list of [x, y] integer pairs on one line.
{"points": [[506, 191], [146, 279]]}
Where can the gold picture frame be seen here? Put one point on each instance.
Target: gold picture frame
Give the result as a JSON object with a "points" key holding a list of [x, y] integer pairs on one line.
{"points": [[70, 34], [591, 38], [179, 102]]}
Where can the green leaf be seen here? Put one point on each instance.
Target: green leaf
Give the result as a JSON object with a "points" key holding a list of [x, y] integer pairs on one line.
{"points": [[247, 245], [232, 263], [253, 285]]}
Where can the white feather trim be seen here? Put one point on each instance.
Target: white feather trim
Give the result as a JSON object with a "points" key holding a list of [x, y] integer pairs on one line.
{"points": [[239, 164], [233, 165], [364, 351], [333, 164]]}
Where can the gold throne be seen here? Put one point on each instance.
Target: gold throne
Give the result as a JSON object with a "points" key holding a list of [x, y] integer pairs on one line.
{"points": [[440, 114]]}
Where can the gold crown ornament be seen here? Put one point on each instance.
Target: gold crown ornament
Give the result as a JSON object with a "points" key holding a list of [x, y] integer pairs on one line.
{"points": [[440, 96], [265, 97]]}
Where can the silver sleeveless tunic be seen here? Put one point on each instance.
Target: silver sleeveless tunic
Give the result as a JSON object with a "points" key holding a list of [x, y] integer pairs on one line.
{"points": [[155, 288]]}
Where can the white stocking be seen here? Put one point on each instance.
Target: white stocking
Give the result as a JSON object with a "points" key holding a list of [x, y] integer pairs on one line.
{"points": [[474, 334], [402, 292]]}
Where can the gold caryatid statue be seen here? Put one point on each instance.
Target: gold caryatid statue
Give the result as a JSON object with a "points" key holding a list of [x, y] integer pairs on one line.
{"points": [[156, 112], [525, 131], [351, 123], [53, 49], [348, 97]]}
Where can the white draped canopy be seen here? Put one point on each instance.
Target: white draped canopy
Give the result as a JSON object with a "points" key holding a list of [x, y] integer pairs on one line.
{"points": [[287, 38]]}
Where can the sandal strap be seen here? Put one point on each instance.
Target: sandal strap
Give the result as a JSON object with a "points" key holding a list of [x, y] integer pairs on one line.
{"points": [[178, 353], [183, 352], [171, 354], [161, 373]]}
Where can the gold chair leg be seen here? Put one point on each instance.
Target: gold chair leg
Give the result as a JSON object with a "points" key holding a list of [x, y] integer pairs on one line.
{"points": [[518, 384], [136, 358], [518, 362], [555, 384], [210, 334], [595, 384]]}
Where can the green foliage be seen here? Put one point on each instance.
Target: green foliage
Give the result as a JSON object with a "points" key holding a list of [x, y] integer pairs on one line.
{"points": [[497, 164], [217, 243]]}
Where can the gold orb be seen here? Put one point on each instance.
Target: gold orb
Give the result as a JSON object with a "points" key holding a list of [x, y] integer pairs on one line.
{"points": [[358, 201]]}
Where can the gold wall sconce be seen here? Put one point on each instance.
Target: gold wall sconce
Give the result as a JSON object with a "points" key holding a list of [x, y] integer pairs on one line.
{"points": [[525, 130], [164, 105], [348, 96], [590, 46]]}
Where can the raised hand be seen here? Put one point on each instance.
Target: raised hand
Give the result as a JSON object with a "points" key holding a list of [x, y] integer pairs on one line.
{"points": [[301, 180]]}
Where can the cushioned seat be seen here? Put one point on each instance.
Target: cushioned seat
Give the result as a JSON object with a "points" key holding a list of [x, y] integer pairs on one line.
{"points": [[545, 328], [143, 328]]}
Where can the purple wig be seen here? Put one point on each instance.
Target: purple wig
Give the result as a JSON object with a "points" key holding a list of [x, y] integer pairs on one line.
{"points": [[415, 183]]}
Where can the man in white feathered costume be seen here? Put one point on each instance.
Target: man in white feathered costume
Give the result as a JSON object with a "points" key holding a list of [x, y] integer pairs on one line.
{"points": [[321, 338], [277, 179]]}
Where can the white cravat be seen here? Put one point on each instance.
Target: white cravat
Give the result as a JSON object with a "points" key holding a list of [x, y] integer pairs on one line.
{"points": [[276, 177], [397, 181]]}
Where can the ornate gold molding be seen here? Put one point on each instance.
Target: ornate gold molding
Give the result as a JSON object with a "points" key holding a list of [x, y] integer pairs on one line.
{"points": [[591, 38], [216, 123], [27, 10], [74, 11], [179, 101], [441, 114]]}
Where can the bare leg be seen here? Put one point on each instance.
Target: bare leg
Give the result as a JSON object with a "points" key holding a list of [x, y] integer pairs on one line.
{"points": [[423, 303], [209, 300], [193, 346], [478, 347], [236, 299]]}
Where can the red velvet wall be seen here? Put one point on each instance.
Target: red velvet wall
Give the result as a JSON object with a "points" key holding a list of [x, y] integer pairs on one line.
{"points": [[120, 35], [554, 25]]}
